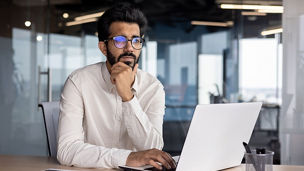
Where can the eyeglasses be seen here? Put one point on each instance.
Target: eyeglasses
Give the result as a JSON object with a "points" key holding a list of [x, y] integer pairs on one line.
{"points": [[121, 42]]}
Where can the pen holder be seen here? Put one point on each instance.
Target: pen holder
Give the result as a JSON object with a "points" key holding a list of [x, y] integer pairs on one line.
{"points": [[259, 162]]}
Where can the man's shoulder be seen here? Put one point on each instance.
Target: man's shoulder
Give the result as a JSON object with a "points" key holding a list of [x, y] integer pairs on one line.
{"points": [[87, 71]]}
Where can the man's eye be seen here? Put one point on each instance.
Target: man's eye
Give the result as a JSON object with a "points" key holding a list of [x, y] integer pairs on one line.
{"points": [[120, 39], [136, 40]]}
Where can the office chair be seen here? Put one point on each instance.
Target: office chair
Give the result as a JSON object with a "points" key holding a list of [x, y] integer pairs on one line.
{"points": [[50, 112]]}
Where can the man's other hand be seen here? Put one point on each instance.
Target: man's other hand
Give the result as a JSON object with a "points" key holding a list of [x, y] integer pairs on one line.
{"points": [[123, 77], [151, 157]]}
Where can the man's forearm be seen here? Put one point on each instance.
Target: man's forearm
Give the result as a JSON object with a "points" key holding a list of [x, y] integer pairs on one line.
{"points": [[80, 154], [145, 132]]}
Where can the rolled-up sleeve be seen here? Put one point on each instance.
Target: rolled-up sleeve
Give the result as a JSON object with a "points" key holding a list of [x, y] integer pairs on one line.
{"points": [[144, 126], [72, 150]]}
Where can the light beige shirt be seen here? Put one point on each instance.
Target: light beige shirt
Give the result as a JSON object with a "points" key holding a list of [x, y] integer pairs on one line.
{"points": [[97, 129]]}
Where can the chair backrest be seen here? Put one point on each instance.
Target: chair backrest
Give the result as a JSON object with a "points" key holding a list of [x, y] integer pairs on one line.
{"points": [[50, 112]]}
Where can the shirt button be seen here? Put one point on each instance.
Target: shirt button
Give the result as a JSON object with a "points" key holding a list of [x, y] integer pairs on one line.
{"points": [[117, 117]]}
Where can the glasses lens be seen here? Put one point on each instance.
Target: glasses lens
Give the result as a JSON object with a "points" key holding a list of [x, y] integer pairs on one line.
{"points": [[137, 42], [120, 41]]}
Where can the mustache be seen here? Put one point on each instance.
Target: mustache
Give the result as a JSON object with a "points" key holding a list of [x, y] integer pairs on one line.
{"points": [[126, 54]]}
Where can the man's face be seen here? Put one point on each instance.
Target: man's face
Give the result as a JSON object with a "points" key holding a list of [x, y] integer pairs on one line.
{"points": [[128, 54]]}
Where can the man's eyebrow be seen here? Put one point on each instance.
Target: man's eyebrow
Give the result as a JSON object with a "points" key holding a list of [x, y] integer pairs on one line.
{"points": [[135, 36], [126, 35]]}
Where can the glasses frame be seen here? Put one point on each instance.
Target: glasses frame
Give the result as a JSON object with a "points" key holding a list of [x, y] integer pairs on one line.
{"points": [[131, 40]]}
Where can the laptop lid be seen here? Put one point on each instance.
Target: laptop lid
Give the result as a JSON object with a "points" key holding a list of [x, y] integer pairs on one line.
{"points": [[215, 136]]}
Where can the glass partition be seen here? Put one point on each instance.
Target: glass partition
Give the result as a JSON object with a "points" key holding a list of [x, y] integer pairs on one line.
{"points": [[196, 64], [22, 49]]}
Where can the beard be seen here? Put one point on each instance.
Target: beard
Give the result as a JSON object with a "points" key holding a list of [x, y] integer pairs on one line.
{"points": [[112, 59]]}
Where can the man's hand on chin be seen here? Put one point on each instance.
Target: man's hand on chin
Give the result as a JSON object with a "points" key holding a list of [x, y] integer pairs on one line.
{"points": [[123, 77], [151, 157]]}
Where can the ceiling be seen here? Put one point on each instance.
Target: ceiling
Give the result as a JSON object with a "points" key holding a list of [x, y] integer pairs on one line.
{"points": [[168, 12], [255, 2]]}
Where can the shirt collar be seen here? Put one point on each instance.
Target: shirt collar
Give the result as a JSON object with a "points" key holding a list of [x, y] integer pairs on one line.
{"points": [[135, 84], [107, 79]]}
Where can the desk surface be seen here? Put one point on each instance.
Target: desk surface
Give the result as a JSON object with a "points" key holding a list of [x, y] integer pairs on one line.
{"points": [[31, 163]]}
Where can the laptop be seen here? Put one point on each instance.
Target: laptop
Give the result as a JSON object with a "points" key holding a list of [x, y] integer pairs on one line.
{"points": [[215, 137]]}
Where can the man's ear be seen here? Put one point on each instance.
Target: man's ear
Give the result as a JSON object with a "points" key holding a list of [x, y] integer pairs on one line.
{"points": [[103, 47]]}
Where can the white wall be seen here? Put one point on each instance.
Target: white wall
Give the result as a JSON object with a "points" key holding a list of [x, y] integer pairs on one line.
{"points": [[182, 55], [292, 111], [149, 58], [260, 69], [210, 74]]}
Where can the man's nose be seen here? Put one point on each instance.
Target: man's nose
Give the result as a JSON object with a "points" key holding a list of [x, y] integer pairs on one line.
{"points": [[129, 47]]}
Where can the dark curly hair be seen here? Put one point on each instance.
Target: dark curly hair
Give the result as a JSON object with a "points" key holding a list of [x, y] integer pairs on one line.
{"points": [[124, 12]]}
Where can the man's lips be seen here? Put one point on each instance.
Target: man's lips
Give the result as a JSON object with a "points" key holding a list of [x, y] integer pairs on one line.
{"points": [[126, 58]]}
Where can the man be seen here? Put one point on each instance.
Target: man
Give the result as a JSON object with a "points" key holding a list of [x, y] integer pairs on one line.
{"points": [[111, 113]]}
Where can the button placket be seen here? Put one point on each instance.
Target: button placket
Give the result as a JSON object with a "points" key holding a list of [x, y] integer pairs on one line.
{"points": [[118, 117], [119, 108]]}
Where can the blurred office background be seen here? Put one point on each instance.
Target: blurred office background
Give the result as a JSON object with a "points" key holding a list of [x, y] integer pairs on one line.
{"points": [[203, 51]]}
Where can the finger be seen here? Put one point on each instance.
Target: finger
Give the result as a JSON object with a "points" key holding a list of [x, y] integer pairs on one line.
{"points": [[169, 159], [154, 164], [118, 63], [112, 80], [161, 159], [121, 68], [119, 74], [121, 64], [135, 68], [115, 72], [117, 67]]}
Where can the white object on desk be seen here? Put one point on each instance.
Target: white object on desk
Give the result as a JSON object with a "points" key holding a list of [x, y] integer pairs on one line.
{"points": [[215, 136]]}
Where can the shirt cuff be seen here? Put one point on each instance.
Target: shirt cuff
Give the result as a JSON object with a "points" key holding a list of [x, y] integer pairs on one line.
{"points": [[119, 157], [132, 106]]}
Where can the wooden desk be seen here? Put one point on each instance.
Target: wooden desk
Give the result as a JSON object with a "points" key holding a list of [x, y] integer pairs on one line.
{"points": [[31, 163], [275, 168]]}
